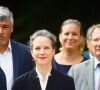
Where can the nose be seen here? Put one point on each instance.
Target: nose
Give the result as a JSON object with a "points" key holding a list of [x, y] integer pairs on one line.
{"points": [[42, 51], [70, 36]]}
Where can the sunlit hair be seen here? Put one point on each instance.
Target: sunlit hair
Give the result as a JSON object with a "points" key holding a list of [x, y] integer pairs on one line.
{"points": [[5, 13], [44, 33], [74, 21], [91, 30], [82, 44]]}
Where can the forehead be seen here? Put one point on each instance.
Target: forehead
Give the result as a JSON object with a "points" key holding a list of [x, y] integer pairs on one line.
{"points": [[71, 27], [42, 40], [96, 33], [5, 21]]}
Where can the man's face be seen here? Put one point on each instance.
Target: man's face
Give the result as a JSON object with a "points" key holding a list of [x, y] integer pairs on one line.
{"points": [[96, 41], [6, 28], [90, 47]]}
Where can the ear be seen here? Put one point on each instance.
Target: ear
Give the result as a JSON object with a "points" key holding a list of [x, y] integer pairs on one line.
{"points": [[87, 43], [12, 28]]}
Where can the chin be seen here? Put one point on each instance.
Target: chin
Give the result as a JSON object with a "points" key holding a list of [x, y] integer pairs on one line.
{"points": [[98, 54]]}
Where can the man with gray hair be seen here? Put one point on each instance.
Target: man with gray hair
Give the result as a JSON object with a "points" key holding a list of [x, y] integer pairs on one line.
{"points": [[86, 75], [15, 57], [90, 52]]}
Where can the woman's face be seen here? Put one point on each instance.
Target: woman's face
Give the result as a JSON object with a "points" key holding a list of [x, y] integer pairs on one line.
{"points": [[70, 37], [42, 51]]}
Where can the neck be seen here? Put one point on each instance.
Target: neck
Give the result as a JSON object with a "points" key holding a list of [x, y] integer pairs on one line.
{"points": [[3, 49], [43, 70], [70, 53], [98, 58], [68, 57]]}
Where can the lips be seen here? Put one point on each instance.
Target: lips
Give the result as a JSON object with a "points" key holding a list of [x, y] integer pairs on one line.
{"points": [[70, 43], [98, 50], [1, 37], [42, 58]]}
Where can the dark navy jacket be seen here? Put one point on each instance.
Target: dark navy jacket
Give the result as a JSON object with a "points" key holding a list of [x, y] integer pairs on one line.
{"points": [[2, 80], [56, 81], [22, 62], [22, 59]]}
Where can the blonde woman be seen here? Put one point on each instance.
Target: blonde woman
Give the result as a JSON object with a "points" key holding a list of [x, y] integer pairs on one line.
{"points": [[72, 44]]}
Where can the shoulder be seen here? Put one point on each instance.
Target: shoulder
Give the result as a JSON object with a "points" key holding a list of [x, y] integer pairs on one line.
{"points": [[81, 68], [61, 76], [21, 81], [26, 76], [57, 57], [63, 80], [19, 45], [82, 64]]}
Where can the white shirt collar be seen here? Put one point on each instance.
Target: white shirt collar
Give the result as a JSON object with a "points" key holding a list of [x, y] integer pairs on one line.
{"points": [[43, 83], [8, 48], [40, 76], [96, 62], [91, 56], [9, 45]]}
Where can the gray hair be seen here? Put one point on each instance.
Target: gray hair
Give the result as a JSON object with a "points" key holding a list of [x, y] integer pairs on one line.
{"points": [[5, 13], [44, 33], [91, 30]]}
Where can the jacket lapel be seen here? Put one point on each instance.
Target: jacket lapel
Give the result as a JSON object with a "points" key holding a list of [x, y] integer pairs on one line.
{"points": [[90, 75], [15, 56], [51, 81], [35, 81]]}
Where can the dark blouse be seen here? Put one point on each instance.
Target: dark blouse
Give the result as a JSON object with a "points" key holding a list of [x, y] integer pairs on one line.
{"points": [[62, 68]]}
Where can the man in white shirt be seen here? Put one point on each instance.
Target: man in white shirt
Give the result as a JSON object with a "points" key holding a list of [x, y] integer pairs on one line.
{"points": [[90, 52], [15, 58]]}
